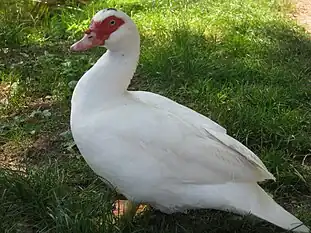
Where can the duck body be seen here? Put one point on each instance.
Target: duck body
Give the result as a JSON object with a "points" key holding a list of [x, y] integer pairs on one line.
{"points": [[156, 151], [152, 152], [148, 151]]}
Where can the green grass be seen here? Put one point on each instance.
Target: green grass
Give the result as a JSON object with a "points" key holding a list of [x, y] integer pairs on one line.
{"points": [[240, 62]]}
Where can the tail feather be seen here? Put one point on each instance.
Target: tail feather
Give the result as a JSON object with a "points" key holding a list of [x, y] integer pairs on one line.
{"points": [[257, 202], [240, 198]]}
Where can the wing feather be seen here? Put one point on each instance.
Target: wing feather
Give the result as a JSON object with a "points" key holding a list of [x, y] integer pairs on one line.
{"points": [[183, 150]]}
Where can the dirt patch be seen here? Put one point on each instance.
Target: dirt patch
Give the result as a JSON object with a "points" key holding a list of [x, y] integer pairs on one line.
{"points": [[302, 13], [40, 123], [16, 155], [12, 155], [4, 94]]}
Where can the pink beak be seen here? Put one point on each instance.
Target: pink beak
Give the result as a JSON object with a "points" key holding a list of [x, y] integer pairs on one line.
{"points": [[88, 41]]}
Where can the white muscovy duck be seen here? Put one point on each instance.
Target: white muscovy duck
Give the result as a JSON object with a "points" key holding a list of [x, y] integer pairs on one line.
{"points": [[154, 150]]}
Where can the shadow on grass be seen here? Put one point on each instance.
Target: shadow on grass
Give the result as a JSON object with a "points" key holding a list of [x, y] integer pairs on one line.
{"points": [[202, 221]]}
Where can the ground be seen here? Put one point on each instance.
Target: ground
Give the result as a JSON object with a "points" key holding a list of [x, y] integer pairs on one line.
{"points": [[303, 13], [245, 64]]}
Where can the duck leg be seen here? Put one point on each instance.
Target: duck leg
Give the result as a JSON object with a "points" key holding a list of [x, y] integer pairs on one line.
{"points": [[126, 209]]}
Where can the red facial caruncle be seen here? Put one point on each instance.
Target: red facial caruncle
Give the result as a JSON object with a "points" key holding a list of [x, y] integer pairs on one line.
{"points": [[103, 29], [98, 33]]}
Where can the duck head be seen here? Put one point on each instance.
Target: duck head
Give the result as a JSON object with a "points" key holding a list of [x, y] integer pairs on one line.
{"points": [[109, 28]]}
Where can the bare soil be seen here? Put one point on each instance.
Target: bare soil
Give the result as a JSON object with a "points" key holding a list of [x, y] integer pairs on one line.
{"points": [[302, 13]]}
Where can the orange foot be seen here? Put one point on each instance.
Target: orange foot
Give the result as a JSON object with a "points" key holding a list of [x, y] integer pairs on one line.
{"points": [[122, 206]]}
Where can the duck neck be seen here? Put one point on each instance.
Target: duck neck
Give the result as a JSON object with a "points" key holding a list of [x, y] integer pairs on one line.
{"points": [[108, 79]]}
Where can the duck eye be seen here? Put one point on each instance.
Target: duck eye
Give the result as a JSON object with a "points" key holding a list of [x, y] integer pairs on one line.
{"points": [[112, 22]]}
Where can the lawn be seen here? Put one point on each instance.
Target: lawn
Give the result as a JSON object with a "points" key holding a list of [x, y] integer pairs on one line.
{"points": [[242, 63]]}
